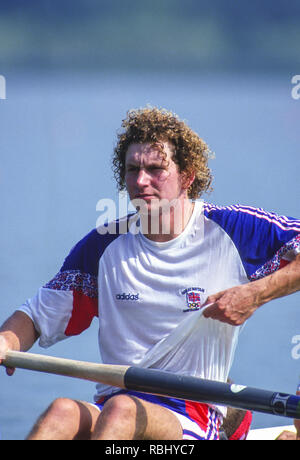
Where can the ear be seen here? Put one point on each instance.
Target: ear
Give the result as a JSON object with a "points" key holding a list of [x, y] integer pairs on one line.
{"points": [[187, 179]]}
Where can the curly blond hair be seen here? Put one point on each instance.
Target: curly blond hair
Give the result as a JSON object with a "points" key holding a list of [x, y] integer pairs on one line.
{"points": [[151, 124]]}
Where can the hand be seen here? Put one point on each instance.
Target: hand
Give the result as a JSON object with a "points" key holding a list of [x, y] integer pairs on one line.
{"points": [[286, 436], [233, 306], [3, 349]]}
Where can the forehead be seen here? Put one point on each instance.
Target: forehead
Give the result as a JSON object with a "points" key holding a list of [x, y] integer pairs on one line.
{"points": [[149, 152]]}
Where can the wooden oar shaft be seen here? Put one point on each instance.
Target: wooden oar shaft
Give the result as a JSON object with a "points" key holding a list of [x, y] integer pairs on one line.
{"points": [[109, 375], [162, 383]]}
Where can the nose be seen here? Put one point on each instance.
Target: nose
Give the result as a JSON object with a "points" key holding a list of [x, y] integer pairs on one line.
{"points": [[142, 178]]}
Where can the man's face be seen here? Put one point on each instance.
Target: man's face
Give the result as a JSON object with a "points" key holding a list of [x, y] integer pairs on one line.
{"points": [[151, 177]]}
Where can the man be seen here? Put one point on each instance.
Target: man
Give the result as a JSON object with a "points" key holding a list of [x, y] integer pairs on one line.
{"points": [[149, 284]]}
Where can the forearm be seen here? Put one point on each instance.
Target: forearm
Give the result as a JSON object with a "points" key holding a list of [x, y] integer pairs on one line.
{"points": [[19, 332], [279, 284]]}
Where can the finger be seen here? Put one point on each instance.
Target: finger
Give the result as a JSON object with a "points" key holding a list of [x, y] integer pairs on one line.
{"points": [[215, 311], [211, 311], [210, 300], [10, 371]]}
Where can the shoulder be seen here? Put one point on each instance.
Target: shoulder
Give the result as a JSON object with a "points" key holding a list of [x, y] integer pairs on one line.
{"points": [[260, 236], [86, 253], [238, 216]]}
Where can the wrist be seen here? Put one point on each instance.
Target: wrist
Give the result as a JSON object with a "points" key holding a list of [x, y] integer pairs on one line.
{"points": [[8, 341], [266, 289]]}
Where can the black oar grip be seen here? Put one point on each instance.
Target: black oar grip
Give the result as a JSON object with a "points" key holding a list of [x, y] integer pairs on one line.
{"points": [[211, 392]]}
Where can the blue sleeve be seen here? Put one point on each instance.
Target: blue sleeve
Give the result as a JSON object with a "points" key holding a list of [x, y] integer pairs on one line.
{"points": [[263, 239], [79, 271], [86, 254]]}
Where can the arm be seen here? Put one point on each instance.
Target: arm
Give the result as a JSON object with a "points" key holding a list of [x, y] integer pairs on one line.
{"points": [[17, 333], [63, 307], [235, 305]]}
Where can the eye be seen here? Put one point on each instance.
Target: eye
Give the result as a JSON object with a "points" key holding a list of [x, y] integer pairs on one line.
{"points": [[131, 168], [155, 168]]}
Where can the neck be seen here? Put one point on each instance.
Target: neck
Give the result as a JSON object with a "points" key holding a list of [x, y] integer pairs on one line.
{"points": [[169, 222]]}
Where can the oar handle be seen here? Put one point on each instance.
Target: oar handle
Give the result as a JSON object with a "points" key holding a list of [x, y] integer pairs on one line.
{"points": [[107, 374]]}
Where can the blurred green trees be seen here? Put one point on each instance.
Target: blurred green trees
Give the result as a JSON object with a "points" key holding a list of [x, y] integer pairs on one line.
{"points": [[163, 35]]}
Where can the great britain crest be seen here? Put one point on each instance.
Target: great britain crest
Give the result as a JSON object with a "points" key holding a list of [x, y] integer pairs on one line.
{"points": [[193, 298]]}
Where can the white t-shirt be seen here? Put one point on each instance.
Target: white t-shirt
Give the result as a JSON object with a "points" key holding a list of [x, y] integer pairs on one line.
{"points": [[148, 295]]}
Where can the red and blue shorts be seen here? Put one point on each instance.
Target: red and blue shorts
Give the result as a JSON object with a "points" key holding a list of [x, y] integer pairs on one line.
{"points": [[199, 421]]}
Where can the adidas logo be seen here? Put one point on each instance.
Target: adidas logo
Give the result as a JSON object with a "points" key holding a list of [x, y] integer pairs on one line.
{"points": [[127, 296]]}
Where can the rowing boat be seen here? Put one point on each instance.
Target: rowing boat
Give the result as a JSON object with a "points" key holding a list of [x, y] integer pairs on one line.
{"points": [[269, 434]]}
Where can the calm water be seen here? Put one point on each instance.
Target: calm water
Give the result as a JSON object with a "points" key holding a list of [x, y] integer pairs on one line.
{"points": [[57, 135]]}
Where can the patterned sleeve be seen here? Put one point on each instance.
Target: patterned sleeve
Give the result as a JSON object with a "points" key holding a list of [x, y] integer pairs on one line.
{"points": [[265, 240], [67, 304]]}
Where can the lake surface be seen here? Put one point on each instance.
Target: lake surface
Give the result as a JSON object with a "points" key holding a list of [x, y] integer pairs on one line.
{"points": [[57, 133]]}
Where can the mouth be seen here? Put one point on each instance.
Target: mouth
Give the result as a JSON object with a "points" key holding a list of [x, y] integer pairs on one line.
{"points": [[144, 196]]}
